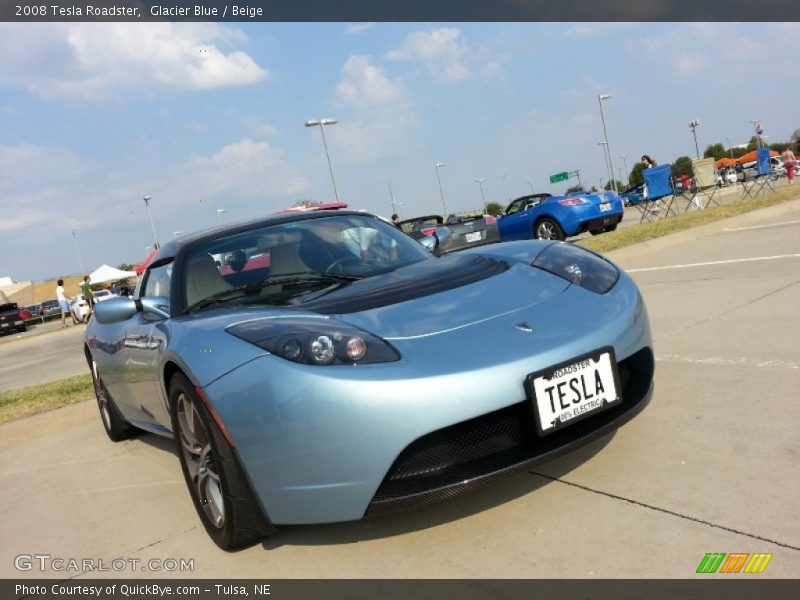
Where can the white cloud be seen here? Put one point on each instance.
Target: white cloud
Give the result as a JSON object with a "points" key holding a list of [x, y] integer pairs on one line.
{"points": [[353, 28], [364, 84], [92, 60], [244, 169], [443, 51], [260, 128]]}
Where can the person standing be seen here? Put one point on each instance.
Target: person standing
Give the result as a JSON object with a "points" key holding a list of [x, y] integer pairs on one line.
{"points": [[648, 163], [789, 163], [88, 295], [396, 220], [64, 302]]}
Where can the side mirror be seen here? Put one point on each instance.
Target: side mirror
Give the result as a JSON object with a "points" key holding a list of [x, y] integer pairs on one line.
{"points": [[156, 306], [114, 310], [430, 242]]}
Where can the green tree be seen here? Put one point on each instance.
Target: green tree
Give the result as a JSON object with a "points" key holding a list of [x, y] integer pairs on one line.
{"points": [[796, 141], [682, 166], [635, 178], [715, 151], [494, 208], [615, 185], [574, 188], [126, 267], [755, 142]]}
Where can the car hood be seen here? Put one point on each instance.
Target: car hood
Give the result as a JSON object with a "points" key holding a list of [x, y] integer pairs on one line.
{"points": [[456, 291]]}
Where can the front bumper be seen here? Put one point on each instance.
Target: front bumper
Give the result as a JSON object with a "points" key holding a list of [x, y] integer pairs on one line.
{"points": [[325, 444]]}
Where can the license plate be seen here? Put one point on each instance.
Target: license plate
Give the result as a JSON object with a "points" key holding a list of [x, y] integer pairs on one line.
{"points": [[574, 390], [475, 236], [605, 207]]}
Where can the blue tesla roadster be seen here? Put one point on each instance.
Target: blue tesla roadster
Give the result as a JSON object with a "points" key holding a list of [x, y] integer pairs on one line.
{"points": [[323, 366]]}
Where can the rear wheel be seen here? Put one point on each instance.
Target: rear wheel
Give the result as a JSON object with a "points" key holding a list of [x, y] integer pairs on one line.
{"points": [[216, 482], [548, 229], [117, 428]]}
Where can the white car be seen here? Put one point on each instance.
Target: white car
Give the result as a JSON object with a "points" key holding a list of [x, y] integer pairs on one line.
{"points": [[101, 295], [79, 307]]}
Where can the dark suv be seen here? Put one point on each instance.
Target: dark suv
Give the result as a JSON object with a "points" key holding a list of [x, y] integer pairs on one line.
{"points": [[10, 319]]}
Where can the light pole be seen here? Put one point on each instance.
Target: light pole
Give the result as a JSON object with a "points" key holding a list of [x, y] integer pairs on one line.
{"points": [[483, 196], [600, 99], [77, 249], [152, 225], [395, 205], [604, 145], [220, 212], [730, 147], [531, 184], [441, 190], [322, 123], [624, 158], [694, 124]]}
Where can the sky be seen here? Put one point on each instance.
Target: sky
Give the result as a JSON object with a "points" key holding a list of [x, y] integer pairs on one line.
{"points": [[209, 117]]}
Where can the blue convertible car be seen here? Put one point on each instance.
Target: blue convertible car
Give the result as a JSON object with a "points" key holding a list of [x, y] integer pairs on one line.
{"points": [[549, 217], [323, 366]]}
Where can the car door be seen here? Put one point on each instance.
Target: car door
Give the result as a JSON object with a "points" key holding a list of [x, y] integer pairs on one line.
{"points": [[145, 340], [517, 222]]}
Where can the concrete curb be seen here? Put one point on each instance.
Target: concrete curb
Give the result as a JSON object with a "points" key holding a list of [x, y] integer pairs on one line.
{"points": [[695, 233]]}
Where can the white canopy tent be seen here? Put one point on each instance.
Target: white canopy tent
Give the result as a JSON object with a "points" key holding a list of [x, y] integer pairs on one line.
{"points": [[106, 273]]}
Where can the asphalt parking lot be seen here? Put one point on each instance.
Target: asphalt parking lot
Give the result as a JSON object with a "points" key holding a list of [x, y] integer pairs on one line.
{"points": [[710, 466]]}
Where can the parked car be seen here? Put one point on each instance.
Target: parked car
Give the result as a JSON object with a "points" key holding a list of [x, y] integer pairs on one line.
{"points": [[50, 308], [549, 217], [10, 318], [463, 231], [101, 295], [633, 196], [79, 307], [360, 374], [35, 310]]}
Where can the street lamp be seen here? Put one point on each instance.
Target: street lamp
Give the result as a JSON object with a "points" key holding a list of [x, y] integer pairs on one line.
{"points": [[730, 147], [531, 184], [600, 99], [483, 196], [624, 158], [77, 249], [152, 225], [321, 123], [694, 124], [220, 212], [441, 191], [604, 145]]}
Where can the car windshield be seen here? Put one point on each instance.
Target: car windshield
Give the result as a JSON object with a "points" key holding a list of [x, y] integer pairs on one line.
{"points": [[287, 263]]}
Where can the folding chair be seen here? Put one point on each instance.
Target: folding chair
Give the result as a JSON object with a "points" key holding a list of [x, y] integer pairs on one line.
{"points": [[660, 193], [757, 185], [704, 185]]}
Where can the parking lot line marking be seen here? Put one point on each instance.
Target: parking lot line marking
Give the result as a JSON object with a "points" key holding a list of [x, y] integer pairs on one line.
{"points": [[762, 226], [721, 360], [713, 262]]}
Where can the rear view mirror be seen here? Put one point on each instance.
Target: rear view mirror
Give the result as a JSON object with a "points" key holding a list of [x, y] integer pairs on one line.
{"points": [[114, 310]]}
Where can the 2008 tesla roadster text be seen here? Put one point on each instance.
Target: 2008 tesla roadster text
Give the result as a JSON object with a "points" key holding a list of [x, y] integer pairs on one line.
{"points": [[323, 366]]}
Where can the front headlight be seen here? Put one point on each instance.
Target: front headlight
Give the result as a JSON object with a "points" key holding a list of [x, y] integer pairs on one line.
{"points": [[315, 341], [579, 266]]}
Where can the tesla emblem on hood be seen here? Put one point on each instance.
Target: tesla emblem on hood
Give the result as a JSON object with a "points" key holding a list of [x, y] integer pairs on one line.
{"points": [[523, 326]]}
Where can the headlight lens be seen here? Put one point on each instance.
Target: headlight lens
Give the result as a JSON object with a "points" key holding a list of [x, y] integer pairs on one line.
{"points": [[579, 266], [315, 341]]}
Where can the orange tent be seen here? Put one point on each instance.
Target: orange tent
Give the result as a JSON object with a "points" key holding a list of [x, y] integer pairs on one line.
{"points": [[725, 162], [751, 157]]}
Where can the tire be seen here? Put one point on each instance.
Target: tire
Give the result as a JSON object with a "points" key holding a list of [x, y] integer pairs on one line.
{"points": [[117, 428], [217, 484], [548, 229]]}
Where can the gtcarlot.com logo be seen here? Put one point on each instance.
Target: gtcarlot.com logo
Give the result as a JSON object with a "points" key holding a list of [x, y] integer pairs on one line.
{"points": [[46, 562], [736, 562]]}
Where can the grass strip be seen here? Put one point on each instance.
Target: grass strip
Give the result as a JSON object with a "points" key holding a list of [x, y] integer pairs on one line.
{"points": [[655, 229], [24, 402]]}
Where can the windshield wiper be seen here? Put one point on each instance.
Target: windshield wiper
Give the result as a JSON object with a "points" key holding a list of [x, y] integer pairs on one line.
{"points": [[252, 288]]}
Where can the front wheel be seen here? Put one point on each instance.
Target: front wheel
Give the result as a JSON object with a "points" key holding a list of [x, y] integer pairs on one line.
{"points": [[117, 428], [548, 229], [215, 479]]}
